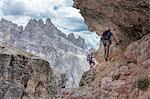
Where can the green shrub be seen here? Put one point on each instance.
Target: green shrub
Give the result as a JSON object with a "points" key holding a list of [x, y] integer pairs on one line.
{"points": [[115, 76], [142, 84]]}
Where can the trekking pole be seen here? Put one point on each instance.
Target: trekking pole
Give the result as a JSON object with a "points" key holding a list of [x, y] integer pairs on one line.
{"points": [[115, 40]]}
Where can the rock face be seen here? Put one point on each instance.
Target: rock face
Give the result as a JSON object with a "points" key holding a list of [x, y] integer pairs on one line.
{"points": [[24, 76], [117, 79], [66, 54], [129, 18], [129, 62]]}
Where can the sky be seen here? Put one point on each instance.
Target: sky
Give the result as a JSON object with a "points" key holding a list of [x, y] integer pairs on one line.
{"points": [[62, 14]]}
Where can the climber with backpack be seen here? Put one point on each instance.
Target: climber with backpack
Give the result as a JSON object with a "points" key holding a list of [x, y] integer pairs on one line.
{"points": [[90, 59], [106, 38]]}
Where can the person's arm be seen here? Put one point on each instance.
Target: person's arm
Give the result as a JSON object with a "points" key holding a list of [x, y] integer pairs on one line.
{"points": [[113, 37]]}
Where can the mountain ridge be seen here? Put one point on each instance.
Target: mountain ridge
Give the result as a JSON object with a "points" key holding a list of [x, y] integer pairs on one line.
{"points": [[65, 53]]}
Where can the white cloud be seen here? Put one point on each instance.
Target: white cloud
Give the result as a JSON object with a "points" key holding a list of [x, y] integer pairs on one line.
{"points": [[63, 15]]}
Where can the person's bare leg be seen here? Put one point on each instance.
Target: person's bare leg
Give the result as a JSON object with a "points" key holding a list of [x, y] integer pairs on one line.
{"points": [[94, 63], [90, 64], [105, 54], [107, 50]]}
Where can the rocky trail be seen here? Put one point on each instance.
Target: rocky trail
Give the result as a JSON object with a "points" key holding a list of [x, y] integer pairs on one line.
{"points": [[127, 73], [117, 79]]}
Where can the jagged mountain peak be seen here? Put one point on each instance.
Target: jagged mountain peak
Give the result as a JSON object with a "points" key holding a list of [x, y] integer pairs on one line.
{"points": [[71, 36], [40, 22], [48, 21], [77, 41], [9, 23], [80, 39], [37, 28], [32, 23], [49, 43], [3, 20]]}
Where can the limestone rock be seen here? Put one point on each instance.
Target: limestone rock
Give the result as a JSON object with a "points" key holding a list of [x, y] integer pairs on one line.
{"points": [[139, 51], [128, 62], [24, 76], [130, 19]]}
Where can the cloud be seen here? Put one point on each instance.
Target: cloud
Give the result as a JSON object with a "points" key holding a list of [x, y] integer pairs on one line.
{"points": [[91, 39], [13, 8], [30, 8], [63, 15], [73, 24]]}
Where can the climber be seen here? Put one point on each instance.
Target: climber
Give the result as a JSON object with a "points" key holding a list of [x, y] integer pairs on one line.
{"points": [[90, 60], [106, 38]]}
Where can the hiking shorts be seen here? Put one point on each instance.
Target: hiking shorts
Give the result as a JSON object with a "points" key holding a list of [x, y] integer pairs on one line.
{"points": [[106, 44]]}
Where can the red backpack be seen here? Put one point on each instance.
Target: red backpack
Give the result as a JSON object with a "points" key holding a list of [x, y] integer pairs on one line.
{"points": [[105, 35]]}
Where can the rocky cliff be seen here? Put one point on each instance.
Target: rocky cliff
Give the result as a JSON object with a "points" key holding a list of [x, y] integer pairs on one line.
{"points": [[130, 19], [24, 76], [66, 54], [126, 75]]}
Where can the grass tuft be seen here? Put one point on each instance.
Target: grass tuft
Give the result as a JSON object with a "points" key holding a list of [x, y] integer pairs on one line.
{"points": [[142, 84]]}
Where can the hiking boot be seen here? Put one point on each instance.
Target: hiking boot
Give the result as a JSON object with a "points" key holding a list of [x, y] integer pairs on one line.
{"points": [[106, 59]]}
